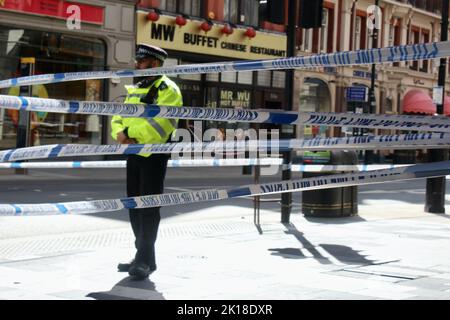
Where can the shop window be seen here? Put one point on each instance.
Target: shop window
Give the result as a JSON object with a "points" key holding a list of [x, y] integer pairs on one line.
{"points": [[54, 53], [245, 77], [193, 77], [263, 78], [279, 79], [170, 62], [315, 97], [211, 97], [229, 77], [242, 12], [213, 77]]}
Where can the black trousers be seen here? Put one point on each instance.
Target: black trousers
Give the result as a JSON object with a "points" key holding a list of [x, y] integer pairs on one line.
{"points": [[145, 176]]}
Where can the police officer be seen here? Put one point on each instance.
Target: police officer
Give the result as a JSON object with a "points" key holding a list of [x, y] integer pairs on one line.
{"points": [[146, 172]]}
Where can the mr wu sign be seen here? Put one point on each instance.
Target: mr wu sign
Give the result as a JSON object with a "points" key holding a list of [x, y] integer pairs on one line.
{"points": [[234, 99]]}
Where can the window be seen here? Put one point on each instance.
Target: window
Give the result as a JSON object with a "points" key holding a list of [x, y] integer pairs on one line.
{"points": [[414, 38], [307, 40], [264, 78], [168, 5], [369, 39], [357, 37], [229, 77], [241, 12], [394, 36], [213, 77], [194, 77], [189, 7], [230, 10], [279, 79], [424, 38], [54, 53], [245, 77], [391, 40], [324, 31]]}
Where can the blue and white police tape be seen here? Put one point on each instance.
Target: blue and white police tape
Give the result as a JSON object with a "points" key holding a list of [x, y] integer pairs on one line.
{"points": [[182, 198], [407, 141], [420, 51], [341, 167], [193, 163], [372, 121], [117, 164]]}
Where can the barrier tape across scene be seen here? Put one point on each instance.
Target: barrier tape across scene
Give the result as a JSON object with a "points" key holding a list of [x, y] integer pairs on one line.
{"points": [[422, 51], [370, 121], [379, 55], [195, 163], [407, 141], [182, 198]]}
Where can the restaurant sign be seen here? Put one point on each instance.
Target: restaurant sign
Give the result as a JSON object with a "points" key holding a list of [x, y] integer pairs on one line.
{"points": [[190, 38]]}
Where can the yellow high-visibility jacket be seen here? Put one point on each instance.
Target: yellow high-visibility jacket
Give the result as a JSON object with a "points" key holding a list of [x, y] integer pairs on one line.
{"points": [[161, 91]]}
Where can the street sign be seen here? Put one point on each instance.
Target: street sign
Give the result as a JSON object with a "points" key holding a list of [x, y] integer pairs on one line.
{"points": [[357, 94], [438, 92]]}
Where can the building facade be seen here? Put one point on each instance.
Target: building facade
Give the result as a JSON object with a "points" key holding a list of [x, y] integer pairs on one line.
{"points": [[65, 36], [400, 88], [202, 31]]}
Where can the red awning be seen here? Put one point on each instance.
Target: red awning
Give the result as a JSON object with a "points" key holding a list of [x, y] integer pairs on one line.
{"points": [[417, 101], [447, 105]]}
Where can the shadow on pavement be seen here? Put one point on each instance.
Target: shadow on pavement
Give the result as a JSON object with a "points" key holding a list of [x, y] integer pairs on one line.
{"points": [[295, 253], [129, 289], [344, 254]]}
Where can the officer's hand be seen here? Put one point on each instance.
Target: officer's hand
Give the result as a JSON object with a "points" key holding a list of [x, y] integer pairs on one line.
{"points": [[121, 137], [130, 141]]}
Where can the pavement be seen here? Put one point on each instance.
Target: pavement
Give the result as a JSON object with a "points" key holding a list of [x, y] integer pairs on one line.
{"points": [[214, 251]]}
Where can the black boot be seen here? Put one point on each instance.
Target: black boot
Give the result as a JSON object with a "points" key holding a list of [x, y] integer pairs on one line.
{"points": [[125, 267], [140, 270]]}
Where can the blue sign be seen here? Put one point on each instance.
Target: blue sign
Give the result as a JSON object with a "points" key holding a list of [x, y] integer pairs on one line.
{"points": [[357, 94], [363, 74]]}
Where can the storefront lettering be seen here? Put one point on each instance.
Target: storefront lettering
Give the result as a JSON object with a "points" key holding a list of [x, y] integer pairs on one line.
{"points": [[160, 31], [267, 51], [165, 32], [235, 99], [234, 46], [197, 39]]}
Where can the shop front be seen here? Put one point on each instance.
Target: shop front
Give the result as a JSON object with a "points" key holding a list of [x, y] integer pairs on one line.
{"points": [[40, 30], [190, 44]]}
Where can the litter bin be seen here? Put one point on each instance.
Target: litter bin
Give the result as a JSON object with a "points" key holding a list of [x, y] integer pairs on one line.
{"points": [[334, 202]]}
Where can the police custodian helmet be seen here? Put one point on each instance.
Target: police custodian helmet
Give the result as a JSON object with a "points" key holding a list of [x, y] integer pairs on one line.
{"points": [[148, 51]]}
